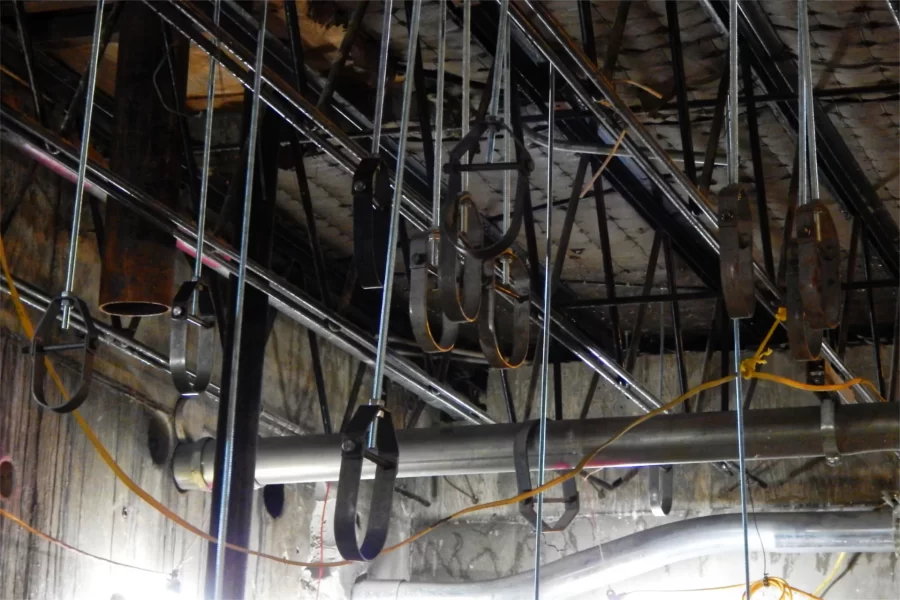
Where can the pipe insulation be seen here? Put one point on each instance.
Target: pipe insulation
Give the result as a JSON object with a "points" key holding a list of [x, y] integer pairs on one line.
{"points": [[472, 450], [587, 573]]}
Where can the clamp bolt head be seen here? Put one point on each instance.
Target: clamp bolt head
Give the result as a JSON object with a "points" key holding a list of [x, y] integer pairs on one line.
{"points": [[177, 311], [359, 186], [348, 446]]}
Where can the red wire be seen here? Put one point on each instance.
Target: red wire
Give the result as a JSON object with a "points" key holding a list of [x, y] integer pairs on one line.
{"points": [[322, 538]]}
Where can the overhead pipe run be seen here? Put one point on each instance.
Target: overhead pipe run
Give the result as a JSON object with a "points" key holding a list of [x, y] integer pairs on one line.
{"points": [[666, 439], [591, 571]]}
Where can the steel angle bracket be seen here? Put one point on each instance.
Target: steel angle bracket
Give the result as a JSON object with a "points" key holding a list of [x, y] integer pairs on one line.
{"points": [[819, 260], [569, 499], [385, 454], [660, 489], [736, 252], [459, 276], [804, 341], [205, 320], [40, 348], [518, 292], [422, 248], [371, 220]]}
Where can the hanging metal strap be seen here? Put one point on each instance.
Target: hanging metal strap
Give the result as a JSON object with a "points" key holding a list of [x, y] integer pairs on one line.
{"points": [[422, 249], [371, 220], [40, 348], [385, 454], [570, 498], [736, 252], [517, 291], [204, 318], [460, 276]]}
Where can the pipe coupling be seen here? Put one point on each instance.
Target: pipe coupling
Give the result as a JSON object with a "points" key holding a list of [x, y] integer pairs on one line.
{"points": [[194, 464]]}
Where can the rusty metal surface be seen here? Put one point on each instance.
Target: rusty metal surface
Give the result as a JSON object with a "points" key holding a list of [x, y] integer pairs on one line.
{"points": [[736, 256], [819, 268], [137, 276]]}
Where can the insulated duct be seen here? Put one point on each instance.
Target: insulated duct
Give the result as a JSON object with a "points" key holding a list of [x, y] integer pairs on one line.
{"points": [[589, 572], [666, 439]]}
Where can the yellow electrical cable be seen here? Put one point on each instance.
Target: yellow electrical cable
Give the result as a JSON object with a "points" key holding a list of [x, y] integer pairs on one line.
{"points": [[747, 373], [834, 570], [603, 166], [70, 548], [786, 590]]}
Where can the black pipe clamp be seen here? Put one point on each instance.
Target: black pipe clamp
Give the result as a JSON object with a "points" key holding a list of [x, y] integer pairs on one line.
{"points": [[385, 454], [371, 220], [40, 348], [569, 498]]}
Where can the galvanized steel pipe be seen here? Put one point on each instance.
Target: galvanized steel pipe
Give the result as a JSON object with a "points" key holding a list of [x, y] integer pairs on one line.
{"points": [[590, 571], [666, 439]]}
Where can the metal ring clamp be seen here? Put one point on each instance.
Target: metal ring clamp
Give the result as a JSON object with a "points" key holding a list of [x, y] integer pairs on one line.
{"points": [[385, 455], [519, 293], [736, 252], [460, 276], [206, 342], [805, 342], [40, 348], [819, 260], [371, 220], [524, 165], [422, 249], [570, 498]]}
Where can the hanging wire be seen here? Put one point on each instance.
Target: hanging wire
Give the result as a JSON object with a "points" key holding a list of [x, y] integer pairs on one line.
{"points": [[231, 411], [439, 117], [466, 83], [82, 163], [384, 318], [733, 178], [207, 151], [809, 109], [545, 338], [382, 75]]}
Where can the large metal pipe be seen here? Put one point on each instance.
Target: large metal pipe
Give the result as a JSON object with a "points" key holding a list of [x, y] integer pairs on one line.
{"points": [[590, 571], [666, 439], [138, 262]]}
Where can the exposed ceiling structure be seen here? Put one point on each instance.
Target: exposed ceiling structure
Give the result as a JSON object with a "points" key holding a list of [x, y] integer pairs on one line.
{"points": [[619, 112]]}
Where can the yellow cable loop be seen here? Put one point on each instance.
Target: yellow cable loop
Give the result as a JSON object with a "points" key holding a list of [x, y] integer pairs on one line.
{"points": [[831, 574], [169, 514]]}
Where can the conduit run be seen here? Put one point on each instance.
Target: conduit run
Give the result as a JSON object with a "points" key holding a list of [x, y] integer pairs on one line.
{"points": [[666, 439], [589, 572]]}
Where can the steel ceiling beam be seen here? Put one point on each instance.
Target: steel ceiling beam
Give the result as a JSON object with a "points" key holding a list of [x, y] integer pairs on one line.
{"points": [[776, 67], [535, 21], [289, 300]]}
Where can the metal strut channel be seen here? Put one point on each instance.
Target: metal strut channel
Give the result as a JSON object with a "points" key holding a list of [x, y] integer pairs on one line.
{"points": [[777, 69], [297, 111], [288, 299], [533, 19]]}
